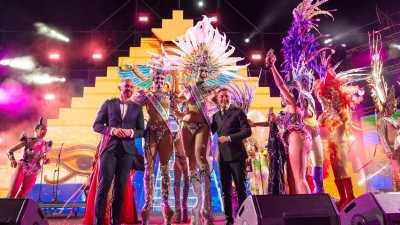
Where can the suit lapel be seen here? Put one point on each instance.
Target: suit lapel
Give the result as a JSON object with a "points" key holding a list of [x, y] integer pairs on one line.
{"points": [[226, 117], [117, 105]]}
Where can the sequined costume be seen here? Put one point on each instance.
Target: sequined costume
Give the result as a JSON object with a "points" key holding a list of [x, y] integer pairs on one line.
{"points": [[386, 105], [204, 55], [29, 166], [158, 134]]}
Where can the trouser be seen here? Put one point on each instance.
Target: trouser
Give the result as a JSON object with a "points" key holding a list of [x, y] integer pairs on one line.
{"points": [[115, 164]]}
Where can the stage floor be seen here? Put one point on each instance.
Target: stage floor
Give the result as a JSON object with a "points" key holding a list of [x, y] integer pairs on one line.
{"points": [[156, 220]]}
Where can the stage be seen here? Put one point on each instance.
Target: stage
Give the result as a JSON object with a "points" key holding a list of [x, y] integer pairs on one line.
{"points": [[218, 220]]}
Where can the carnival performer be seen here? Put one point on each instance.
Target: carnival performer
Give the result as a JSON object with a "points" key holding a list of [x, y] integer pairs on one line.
{"points": [[27, 169], [120, 121], [301, 64], [159, 134], [386, 105], [295, 136], [337, 97], [204, 56]]}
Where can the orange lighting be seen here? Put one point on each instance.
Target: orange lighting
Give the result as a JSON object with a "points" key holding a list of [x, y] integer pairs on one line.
{"points": [[256, 56], [54, 56], [97, 56]]}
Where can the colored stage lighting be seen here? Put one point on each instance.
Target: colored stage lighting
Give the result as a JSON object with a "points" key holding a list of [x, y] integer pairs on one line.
{"points": [[49, 96], [22, 63], [256, 56], [97, 56], [328, 40], [143, 19], [54, 56], [39, 78], [246, 40]]}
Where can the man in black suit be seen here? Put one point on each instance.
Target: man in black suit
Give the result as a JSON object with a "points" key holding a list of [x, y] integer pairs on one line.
{"points": [[231, 125], [123, 120]]}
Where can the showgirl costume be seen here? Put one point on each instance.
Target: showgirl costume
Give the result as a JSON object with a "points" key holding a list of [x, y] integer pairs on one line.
{"points": [[159, 133], [204, 56], [29, 166], [301, 51], [386, 105]]}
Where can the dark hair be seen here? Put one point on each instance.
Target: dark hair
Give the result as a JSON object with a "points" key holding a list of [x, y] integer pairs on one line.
{"points": [[41, 124], [222, 89]]}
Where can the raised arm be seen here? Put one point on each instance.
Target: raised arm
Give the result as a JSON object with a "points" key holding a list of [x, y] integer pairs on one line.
{"points": [[270, 61]]}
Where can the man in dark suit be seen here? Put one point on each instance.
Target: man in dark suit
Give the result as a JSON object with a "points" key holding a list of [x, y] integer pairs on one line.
{"points": [[123, 120], [231, 125]]}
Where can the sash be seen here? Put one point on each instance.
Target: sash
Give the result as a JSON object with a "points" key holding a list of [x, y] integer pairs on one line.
{"points": [[161, 111], [196, 95]]}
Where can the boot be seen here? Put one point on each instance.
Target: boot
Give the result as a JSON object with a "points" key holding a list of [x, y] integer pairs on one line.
{"points": [[396, 185], [167, 212], [206, 211], [318, 180], [177, 194], [148, 187], [185, 196], [342, 194], [195, 179], [348, 186]]}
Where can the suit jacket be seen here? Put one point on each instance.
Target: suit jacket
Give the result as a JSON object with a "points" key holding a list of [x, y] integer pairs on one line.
{"points": [[109, 116], [233, 124]]}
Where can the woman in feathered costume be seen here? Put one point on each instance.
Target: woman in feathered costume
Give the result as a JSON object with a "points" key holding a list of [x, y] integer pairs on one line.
{"points": [[204, 55], [301, 51], [386, 104], [159, 130], [338, 97]]}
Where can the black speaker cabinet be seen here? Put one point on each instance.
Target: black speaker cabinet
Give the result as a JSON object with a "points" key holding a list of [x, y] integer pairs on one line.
{"points": [[311, 209], [372, 209], [21, 212]]}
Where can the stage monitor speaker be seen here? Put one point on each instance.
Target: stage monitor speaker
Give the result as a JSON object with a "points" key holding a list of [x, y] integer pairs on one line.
{"points": [[21, 212], [310, 209], [372, 209]]}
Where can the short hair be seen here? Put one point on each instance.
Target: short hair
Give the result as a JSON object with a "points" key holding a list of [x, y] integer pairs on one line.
{"points": [[222, 89]]}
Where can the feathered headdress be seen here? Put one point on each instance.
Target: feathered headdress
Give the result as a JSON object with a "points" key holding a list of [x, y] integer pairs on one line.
{"points": [[384, 98], [301, 45], [145, 76], [241, 95], [205, 56], [41, 124]]}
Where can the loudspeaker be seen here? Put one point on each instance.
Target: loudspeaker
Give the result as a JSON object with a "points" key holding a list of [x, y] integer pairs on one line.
{"points": [[21, 212], [305, 209], [372, 209]]}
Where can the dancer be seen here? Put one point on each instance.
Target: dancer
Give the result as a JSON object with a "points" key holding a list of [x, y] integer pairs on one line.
{"points": [[232, 127], [336, 97], [296, 137], [205, 57], [122, 120], [159, 133], [386, 104], [27, 169]]}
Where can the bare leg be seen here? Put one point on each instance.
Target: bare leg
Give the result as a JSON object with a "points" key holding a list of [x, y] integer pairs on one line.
{"points": [[317, 159], [201, 143], [396, 174], [298, 161], [16, 182], [165, 152]]}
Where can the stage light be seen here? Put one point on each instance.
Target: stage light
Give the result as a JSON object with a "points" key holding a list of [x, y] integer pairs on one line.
{"points": [[22, 63], [54, 56], [39, 78], [214, 19], [256, 56], [45, 30], [328, 40], [200, 4], [97, 56], [396, 46], [143, 19], [343, 45], [49, 96], [247, 40], [1, 139]]}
